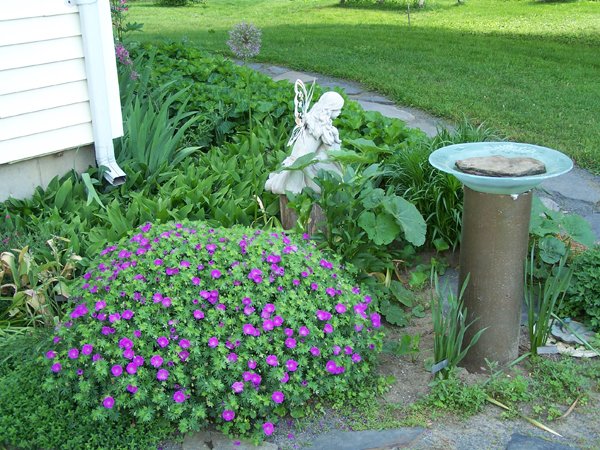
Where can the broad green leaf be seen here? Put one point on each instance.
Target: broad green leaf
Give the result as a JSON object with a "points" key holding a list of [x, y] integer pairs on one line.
{"points": [[401, 294], [393, 313], [408, 217], [381, 229], [373, 199], [551, 249], [63, 193], [578, 229]]}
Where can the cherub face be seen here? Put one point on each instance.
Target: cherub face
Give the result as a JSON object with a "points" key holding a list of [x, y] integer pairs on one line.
{"points": [[334, 113]]}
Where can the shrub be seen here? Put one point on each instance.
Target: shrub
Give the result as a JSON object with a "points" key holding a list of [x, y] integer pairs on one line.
{"points": [[583, 296], [196, 324]]}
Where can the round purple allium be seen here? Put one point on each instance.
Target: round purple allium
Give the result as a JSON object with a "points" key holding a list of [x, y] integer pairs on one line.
{"points": [[162, 375], [132, 389], [268, 428], [244, 42], [237, 387], [291, 365], [198, 314], [73, 353], [303, 331], [278, 397], [56, 367], [87, 349], [340, 308], [127, 314], [131, 368], [116, 370], [215, 273], [51, 354], [108, 402], [252, 364], [228, 415], [179, 397], [272, 360], [356, 358], [125, 343], [156, 361], [290, 343], [213, 342], [162, 341], [184, 343], [328, 328]]}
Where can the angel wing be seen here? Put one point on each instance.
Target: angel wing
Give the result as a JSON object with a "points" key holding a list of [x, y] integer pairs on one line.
{"points": [[302, 99]]}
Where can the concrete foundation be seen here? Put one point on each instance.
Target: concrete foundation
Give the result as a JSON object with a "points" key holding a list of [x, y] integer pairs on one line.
{"points": [[495, 233]]}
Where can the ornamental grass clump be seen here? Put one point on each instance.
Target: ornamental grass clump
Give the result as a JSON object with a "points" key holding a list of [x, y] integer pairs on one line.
{"points": [[231, 326]]}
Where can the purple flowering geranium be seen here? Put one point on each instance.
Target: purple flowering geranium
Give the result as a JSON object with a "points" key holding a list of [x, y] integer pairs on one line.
{"points": [[198, 323]]}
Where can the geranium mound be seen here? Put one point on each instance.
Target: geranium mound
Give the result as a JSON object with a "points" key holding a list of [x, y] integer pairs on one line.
{"points": [[233, 326]]}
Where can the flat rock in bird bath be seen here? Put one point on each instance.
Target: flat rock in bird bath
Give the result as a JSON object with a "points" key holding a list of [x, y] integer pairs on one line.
{"points": [[501, 166]]}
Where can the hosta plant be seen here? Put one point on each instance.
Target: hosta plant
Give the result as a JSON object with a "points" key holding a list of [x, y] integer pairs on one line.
{"points": [[231, 326]]}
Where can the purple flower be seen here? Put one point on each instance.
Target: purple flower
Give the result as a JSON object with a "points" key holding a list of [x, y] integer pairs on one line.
{"points": [[56, 367], [232, 357], [162, 341], [137, 333], [116, 370], [268, 428], [248, 329], [131, 368], [328, 328], [288, 332], [96, 357], [79, 372], [375, 320], [314, 286], [323, 315], [100, 305], [132, 389], [285, 378], [358, 327], [196, 281], [303, 331], [255, 275], [198, 314], [158, 262], [183, 355], [184, 343], [162, 375], [128, 354], [331, 367], [315, 351], [278, 397], [252, 364], [127, 314], [138, 360], [156, 361], [277, 321], [356, 358], [108, 402], [237, 387], [291, 365], [125, 343], [171, 271], [348, 350], [290, 343], [269, 307], [272, 360], [248, 310], [255, 378], [228, 415], [179, 397], [268, 325], [166, 302], [213, 342], [340, 308], [73, 353], [215, 273], [330, 291], [51, 354], [336, 350]]}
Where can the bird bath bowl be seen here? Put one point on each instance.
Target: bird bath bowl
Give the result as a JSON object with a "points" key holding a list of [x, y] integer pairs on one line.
{"points": [[445, 159], [494, 237]]}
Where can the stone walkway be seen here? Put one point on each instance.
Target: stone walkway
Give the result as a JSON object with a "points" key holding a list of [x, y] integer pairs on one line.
{"points": [[578, 192]]}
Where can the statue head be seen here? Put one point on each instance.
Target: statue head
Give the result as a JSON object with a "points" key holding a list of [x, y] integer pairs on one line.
{"points": [[330, 102]]}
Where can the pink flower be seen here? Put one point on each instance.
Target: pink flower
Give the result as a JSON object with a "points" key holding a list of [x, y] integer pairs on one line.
{"points": [[132, 389], [272, 360], [328, 328], [237, 387], [331, 367], [156, 361], [73, 353], [356, 358], [278, 397], [252, 364], [285, 378], [323, 315], [162, 375], [228, 415], [340, 308], [179, 397], [290, 343], [213, 342], [87, 349], [116, 370], [278, 321], [315, 351], [291, 365], [51, 354], [268, 428], [303, 331], [162, 341], [56, 367], [216, 273], [198, 314], [184, 343]]}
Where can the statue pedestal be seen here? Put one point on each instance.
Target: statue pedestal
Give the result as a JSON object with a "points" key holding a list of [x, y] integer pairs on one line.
{"points": [[316, 222]]}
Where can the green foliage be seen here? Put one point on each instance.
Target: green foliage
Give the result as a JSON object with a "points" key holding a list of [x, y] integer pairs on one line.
{"points": [[210, 308], [560, 381], [452, 395], [408, 345], [449, 329], [542, 298], [583, 296]]}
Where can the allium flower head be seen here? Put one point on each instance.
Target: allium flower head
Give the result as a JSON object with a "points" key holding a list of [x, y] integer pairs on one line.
{"points": [[244, 40]]}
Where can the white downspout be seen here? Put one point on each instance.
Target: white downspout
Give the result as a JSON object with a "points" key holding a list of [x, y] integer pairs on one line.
{"points": [[93, 15]]}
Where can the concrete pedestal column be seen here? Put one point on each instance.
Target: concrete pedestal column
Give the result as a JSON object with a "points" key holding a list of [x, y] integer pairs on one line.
{"points": [[495, 233]]}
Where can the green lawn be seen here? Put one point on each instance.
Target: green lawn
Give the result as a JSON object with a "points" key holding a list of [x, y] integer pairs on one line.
{"points": [[527, 68]]}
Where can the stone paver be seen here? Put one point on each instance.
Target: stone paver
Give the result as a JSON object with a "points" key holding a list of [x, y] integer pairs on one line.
{"points": [[521, 442], [365, 440], [212, 440]]}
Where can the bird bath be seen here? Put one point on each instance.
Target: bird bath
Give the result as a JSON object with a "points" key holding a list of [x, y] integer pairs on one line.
{"points": [[494, 240]]}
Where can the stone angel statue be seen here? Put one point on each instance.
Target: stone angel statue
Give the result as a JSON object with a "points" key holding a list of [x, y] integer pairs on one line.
{"points": [[314, 133]]}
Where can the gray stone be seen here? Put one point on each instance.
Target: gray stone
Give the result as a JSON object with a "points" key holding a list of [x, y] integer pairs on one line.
{"points": [[292, 76], [549, 203], [387, 110], [212, 440], [521, 442], [348, 87], [501, 166], [577, 184], [372, 97], [365, 440]]}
